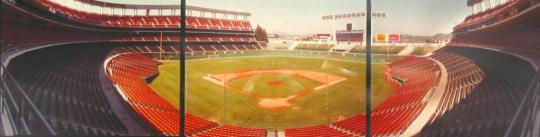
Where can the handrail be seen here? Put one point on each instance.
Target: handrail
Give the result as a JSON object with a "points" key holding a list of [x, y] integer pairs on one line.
{"points": [[526, 111], [26, 117]]}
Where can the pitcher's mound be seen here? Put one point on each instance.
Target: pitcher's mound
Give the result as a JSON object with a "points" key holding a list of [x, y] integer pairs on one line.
{"points": [[275, 103], [275, 83]]}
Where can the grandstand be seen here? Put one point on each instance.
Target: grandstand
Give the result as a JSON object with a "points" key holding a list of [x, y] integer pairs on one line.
{"points": [[87, 71], [29, 27]]}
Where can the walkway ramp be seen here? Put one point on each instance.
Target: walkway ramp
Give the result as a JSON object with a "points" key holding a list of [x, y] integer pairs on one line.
{"points": [[407, 51]]}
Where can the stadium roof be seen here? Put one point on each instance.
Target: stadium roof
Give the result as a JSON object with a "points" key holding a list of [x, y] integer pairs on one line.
{"points": [[146, 6]]}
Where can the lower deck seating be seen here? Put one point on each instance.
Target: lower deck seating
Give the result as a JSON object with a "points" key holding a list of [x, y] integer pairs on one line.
{"points": [[189, 39], [63, 82], [487, 109], [463, 77], [127, 72], [393, 116], [232, 131], [419, 76], [321, 130], [195, 48]]}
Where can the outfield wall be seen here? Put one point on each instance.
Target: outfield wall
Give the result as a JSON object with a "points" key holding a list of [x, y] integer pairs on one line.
{"points": [[359, 57]]}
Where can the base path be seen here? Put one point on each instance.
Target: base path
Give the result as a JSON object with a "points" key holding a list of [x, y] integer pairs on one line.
{"points": [[325, 79]]}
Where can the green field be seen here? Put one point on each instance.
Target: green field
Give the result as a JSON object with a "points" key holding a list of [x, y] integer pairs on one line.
{"points": [[285, 85], [223, 105]]}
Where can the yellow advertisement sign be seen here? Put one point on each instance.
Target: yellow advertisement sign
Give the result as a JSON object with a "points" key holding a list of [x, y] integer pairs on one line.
{"points": [[381, 37]]}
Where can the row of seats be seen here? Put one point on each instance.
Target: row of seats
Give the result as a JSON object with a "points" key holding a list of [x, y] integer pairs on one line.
{"points": [[192, 49], [489, 107], [499, 12], [522, 41], [418, 76], [63, 83], [519, 42], [232, 131], [23, 31], [321, 130], [495, 15], [150, 21], [174, 22], [71, 13], [463, 77], [126, 72], [189, 39]]}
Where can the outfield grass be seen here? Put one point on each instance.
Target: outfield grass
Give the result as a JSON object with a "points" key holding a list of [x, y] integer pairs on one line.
{"points": [[167, 82], [223, 105], [422, 50]]}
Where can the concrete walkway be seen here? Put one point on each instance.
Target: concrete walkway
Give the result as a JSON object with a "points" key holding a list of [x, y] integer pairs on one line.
{"points": [[435, 97], [408, 50]]}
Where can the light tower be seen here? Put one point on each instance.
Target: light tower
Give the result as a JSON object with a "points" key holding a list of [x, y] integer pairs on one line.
{"points": [[354, 15]]}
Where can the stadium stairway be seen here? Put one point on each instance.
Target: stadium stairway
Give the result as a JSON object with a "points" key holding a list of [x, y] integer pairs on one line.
{"points": [[293, 45], [407, 51]]}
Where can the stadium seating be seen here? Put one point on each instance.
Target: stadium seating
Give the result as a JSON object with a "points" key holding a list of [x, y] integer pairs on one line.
{"points": [[63, 83], [194, 48], [321, 130], [174, 22], [494, 15], [232, 131], [127, 72], [463, 77], [149, 22], [390, 118], [490, 86], [497, 13], [190, 39]]}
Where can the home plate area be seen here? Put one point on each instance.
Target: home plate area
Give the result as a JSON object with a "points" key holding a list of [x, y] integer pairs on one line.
{"points": [[275, 89]]}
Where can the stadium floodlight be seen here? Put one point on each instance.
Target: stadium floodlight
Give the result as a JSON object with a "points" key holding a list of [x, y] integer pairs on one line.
{"points": [[344, 16]]}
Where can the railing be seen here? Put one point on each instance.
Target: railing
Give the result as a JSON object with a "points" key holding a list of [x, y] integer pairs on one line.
{"points": [[18, 110], [526, 122]]}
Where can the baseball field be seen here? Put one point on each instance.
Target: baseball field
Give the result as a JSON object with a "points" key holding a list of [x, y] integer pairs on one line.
{"points": [[272, 91]]}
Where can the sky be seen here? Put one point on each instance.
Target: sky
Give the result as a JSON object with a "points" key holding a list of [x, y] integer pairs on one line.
{"points": [[416, 17]]}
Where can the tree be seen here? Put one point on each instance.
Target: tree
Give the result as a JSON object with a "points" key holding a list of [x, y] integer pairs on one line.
{"points": [[260, 34]]}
